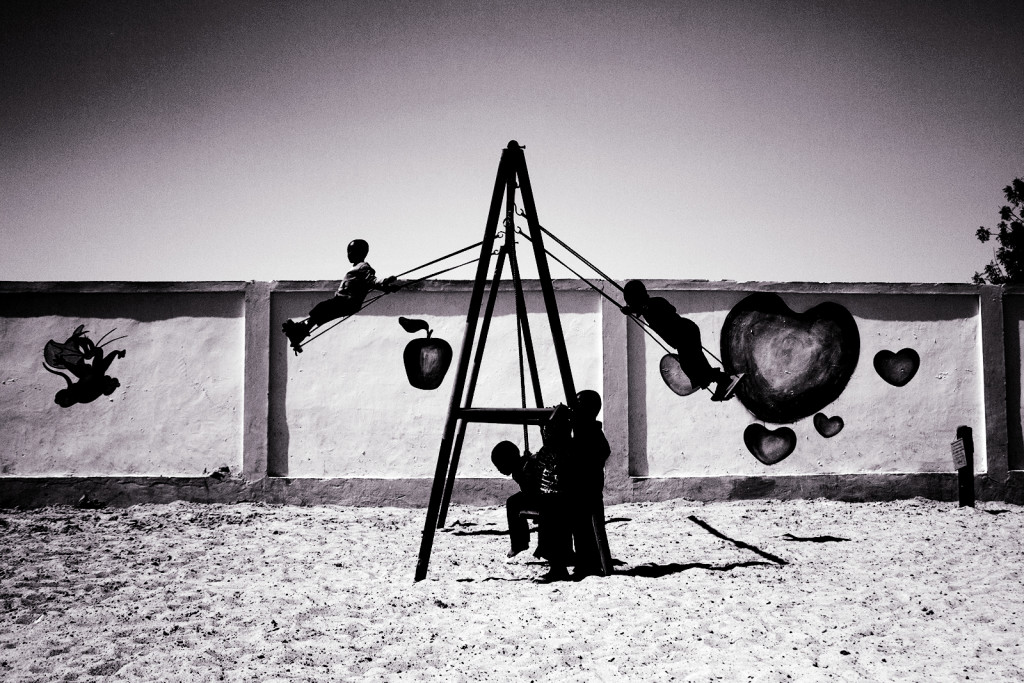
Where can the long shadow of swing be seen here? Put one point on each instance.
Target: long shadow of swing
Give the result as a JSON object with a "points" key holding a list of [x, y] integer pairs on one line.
{"points": [[814, 539], [482, 532], [656, 571], [498, 532]]}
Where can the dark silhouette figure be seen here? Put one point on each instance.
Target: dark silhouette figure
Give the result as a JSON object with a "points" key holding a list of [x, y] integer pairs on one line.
{"points": [[554, 542], [507, 459], [84, 359], [584, 487], [683, 335], [347, 300]]}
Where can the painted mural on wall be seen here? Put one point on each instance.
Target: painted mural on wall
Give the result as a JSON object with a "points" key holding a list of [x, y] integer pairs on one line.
{"points": [[828, 426], [897, 368], [426, 358], [795, 363], [86, 362], [769, 446]]}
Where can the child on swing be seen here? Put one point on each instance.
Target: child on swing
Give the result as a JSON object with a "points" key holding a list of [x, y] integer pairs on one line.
{"points": [[539, 476], [522, 469], [683, 335], [347, 300]]}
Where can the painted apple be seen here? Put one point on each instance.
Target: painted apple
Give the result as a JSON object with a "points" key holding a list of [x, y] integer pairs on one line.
{"points": [[897, 368], [795, 363], [426, 359], [770, 446]]}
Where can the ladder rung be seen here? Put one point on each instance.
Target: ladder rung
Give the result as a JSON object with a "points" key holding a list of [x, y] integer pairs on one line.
{"points": [[510, 416]]}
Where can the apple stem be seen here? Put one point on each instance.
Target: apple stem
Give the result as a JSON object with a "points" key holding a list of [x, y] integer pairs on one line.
{"points": [[429, 332]]}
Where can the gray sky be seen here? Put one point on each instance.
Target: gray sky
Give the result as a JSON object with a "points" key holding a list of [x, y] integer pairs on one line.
{"points": [[821, 141]]}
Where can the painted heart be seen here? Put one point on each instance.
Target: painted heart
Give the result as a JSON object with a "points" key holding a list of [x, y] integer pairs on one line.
{"points": [[897, 368], [770, 446], [828, 426], [674, 376], [795, 363]]}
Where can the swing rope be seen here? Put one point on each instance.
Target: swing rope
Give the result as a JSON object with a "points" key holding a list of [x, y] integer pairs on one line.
{"points": [[600, 291], [577, 255], [643, 325], [522, 376], [366, 304], [448, 256]]}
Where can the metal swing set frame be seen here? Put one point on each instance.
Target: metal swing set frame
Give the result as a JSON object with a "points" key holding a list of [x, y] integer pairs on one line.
{"points": [[512, 175]]}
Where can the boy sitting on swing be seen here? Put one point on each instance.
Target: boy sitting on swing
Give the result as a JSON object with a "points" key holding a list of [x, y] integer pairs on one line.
{"points": [[347, 300], [522, 468], [539, 477], [683, 335]]}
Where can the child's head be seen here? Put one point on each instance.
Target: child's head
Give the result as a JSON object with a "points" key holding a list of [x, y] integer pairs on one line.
{"points": [[588, 404], [357, 250], [635, 293], [504, 456]]}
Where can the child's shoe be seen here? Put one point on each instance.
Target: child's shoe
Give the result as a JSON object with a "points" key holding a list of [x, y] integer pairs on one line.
{"points": [[295, 333]]}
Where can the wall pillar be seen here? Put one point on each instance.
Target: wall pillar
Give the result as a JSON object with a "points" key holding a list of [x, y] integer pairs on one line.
{"points": [[993, 356], [257, 380], [615, 399]]}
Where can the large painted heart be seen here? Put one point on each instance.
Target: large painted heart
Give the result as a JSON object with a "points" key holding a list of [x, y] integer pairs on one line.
{"points": [[770, 446], [795, 363], [674, 377], [897, 368]]}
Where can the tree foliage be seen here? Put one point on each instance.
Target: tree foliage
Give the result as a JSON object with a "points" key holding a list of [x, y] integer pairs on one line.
{"points": [[1008, 265]]}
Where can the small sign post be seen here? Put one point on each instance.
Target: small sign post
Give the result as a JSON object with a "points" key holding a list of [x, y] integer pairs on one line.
{"points": [[963, 461]]}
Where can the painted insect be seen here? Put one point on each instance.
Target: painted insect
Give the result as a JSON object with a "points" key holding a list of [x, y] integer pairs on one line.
{"points": [[85, 360]]}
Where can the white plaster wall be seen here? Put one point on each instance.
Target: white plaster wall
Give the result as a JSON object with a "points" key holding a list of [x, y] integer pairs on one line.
{"points": [[349, 408], [177, 411], [887, 429]]}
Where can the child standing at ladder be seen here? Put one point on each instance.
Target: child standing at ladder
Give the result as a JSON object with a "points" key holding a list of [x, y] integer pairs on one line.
{"points": [[347, 300]]}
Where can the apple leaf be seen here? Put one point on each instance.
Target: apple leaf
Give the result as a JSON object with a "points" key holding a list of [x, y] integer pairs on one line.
{"points": [[413, 325]]}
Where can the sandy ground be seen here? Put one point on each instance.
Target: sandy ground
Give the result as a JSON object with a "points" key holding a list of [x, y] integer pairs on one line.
{"points": [[911, 590]]}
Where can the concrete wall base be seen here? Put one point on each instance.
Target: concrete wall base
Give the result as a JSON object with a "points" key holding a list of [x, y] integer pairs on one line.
{"points": [[414, 493]]}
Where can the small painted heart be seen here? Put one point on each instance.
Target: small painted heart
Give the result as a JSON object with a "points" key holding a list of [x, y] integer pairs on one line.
{"points": [[897, 368], [770, 446], [674, 376], [828, 426]]}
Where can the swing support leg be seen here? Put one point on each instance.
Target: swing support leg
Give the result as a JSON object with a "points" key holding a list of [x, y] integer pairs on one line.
{"points": [[444, 454], [460, 437]]}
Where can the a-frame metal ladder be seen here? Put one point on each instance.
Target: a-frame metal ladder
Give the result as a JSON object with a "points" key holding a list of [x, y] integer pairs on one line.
{"points": [[512, 174]]}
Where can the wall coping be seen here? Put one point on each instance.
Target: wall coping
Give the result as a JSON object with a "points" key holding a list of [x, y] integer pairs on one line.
{"points": [[565, 285]]}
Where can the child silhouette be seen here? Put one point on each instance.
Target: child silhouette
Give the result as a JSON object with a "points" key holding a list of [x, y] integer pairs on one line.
{"points": [[584, 486], [683, 335], [353, 289], [507, 459]]}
